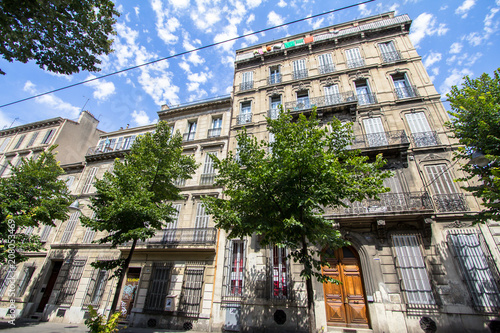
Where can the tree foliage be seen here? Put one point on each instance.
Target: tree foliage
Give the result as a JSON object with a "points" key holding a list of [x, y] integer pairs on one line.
{"points": [[475, 122], [62, 36], [33, 196], [280, 190]]}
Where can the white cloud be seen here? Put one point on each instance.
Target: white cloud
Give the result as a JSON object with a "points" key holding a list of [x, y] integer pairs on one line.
{"points": [[394, 8], [160, 87], [453, 79], [204, 18], [253, 3], [193, 86], [282, 3], [426, 25], [179, 4], [315, 24], [252, 39], [185, 66], [229, 31], [102, 88], [432, 58], [4, 120], [456, 48], [465, 7], [363, 10], [443, 7], [464, 59], [141, 118], [53, 105], [474, 38], [136, 10], [274, 19], [165, 25], [199, 77]]}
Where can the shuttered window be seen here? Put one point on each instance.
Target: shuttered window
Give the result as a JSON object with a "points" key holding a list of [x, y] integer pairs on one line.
{"points": [[299, 69], [326, 63], [32, 139], [48, 136], [280, 272], [96, 287], [170, 228], [440, 179], [421, 132], [20, 141], [190, 300], [247, 81], [44, 236], [69, 181], [158, 287], [70, 227], [89, 235], [69, 279], [24, 279], [208, 175], [411, 268], [4, 144], [5, 165], [201, 223], [87, 186], [354, 58], [375, 132]]}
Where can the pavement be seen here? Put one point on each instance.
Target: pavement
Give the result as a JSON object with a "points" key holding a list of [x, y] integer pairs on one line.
{"points": [[47, 327]]}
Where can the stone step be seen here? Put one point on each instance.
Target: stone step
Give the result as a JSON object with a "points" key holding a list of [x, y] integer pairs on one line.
{"points": [[333, 329]]}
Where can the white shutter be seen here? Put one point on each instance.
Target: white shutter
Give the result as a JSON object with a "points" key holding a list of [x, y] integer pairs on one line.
{"points": [[247, 77], [209, 164], [440, 179], [70, 227], [394, 184], [201, 217], [45, 233], [32, 140], [48, 136], [417, 122], [90, 180], [89, 236], [4, 144], [299, 65], [331, 90], [69, 181], [325, 59], [375, 132], [387, 47], [353, 54]]}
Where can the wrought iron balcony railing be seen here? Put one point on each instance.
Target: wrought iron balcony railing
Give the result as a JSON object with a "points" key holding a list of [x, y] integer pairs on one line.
{"points": [[328, 100], [175, 237], [389, 202], [179, 182], [354, 63], [454, 202], [243, 118], [406, 92], [300, 74], [365, 99], [425, 139], [380, 139], [391, 56], [246, 85], [188, 136], [214, 132], [105, 149], [328, 68], [274, 78], [273, 113], [207, 179]]}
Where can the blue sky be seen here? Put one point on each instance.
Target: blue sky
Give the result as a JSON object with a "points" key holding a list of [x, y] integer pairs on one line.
{"points": [[454, 38]]}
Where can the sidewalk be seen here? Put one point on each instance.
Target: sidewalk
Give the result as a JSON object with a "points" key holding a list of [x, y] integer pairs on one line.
{"points": [[47, 327]]}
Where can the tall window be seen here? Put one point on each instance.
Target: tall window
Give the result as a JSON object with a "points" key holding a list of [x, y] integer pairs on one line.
{"points": [[48, 136], [191, 131], [89, 182], [89, 235], [215, 131], [299, 69], [21, 139], [158, 287], [411, 268], [32, 139], [201, 224], [24, 279], [302, 100], [235, 276], [191, 295], [374, 130], [402, 86], [354, 58], [96, 287], [274, 106], [445, 195], [170, 228], [246, 81], [332, 95], [44, 236], [69, 181], [421, 133], [280, 272], [128, 141], [388, 52], [245, 115], [473, 265], [5, 165], [363, 92], [208, 175], [70, 227], [4, 144], [274, 75], [326, 63], [69, 280]]}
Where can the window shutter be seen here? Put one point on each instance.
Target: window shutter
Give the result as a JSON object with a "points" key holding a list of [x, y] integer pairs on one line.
{"points": [[353, 54], [89, 235], [440, 179], [247, 77], [45, 233], [325, 59], [4, 144], [375, 132], [90, 180], [20, 141], [158, 287], [331, 90], [209, 164], [201, 223], [299, 65], [70, 281], [70, 227], [25, 279], [69, 181], [417, 122], [191, 295], [32, 139], [48, 136]]}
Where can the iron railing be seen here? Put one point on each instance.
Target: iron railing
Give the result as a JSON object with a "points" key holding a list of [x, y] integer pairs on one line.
{"points": [[327, 68], [273, 113], [179, 182], [453, 202], [274, 78], [333, 99], [300, 74], [425, 139], [365, 99], [354, 63], [379, 139], [185, 236], [214, 132], [389, 202], [246, 85], [243, 118], [406, 92], [207, 179], [391, 56], [188, 136], [105, 149]]}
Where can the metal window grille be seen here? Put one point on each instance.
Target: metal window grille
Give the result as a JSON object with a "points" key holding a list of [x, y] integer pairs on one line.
{"points": [[4, 144], [158, 287], [208, 175], [280, 272], [89, 182], [473, 264], [25, 279], [70, 227], [89, 235], [201, 224], [21, 139], [44, 236], [192, 287], [69, 279], [48, 136], [411, 268], [32, 139], [96, 287], [234, 269]]}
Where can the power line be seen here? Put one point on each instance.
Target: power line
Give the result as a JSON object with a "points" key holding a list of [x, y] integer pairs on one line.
{"points": [[187, 52]]}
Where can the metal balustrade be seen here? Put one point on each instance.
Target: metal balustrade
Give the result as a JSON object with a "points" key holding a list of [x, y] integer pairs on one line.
{"points": [[214, 132], [454, 202], [188, 136], [425, 139], [300, 74], [328, 68], [180, 236], [406, 92], [391, 56], [328, 100], [246, 85], [244, 118], [105, 149], [366, 99], [380, 139], [354, 63]]}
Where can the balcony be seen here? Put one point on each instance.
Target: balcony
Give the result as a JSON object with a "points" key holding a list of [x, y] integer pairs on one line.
{"points": [[328, 68], [425, 139], [246, 85], [393, 138], [243, 118], [188, 136], [207, 178], [391, 56], [214, 132], [103, 150], [406, 92], [274, 78], [388, 203], [322, 101], [273, 113], [366, 99], [355, 63], [178, 238], [454, 202], [300, 74]]}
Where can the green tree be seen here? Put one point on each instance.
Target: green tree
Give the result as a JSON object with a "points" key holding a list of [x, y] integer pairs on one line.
{"points": [[280, 190], [62, 36], [32, 196], [132, 203], [475, 122]]}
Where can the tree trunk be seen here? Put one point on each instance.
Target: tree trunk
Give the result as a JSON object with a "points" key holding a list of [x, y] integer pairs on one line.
{"points": [[310, 294], [120, 279]]}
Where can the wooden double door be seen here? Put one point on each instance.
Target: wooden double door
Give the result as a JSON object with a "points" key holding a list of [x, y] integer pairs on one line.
{"points": [[345, 302]]}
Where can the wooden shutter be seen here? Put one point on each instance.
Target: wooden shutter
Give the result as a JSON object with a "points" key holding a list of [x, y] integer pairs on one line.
{"points": [[70, 227], [440, 179], [45, 233], [4, 144], [48, 136], [209, 164], [158, 287], [89, 235], [247, 77], [20, 141], [25, 278], [353, 54], [375, 132], [417, 122], [90, 180], [32, 139], [191, 295]]}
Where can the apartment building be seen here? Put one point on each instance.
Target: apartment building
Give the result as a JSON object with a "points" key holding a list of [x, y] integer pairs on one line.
{"points": [[415, 257]]}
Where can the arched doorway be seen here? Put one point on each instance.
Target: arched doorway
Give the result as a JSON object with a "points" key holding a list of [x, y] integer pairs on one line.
{"points": [[345, 303]]}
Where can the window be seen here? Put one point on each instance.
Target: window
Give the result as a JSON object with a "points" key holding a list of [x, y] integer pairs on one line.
{"points": [[28, 231], [402, 87], [299, 69], [32, 139], [68, 280], [70, 227], [280, 272], [158, 287], [246, 81], [332, 95], [201, 224], [89, 235], [326, 63], [208, 175], [119, 143], [170, 228], [421, 133], [388, 51], [191, 131], [48, 135], [445, 195], [302, 100], [190, 300], [354, 58], [109, 145], [89, 182], [24, 279], [473, 265], [274, 106], [69, 181], [216, 127], [236, 271], [20, 160], [96, 287], [128, 141], [374, 130], [5, 165], [21, 139], [411, 268], [272, 139], [245, 115], [7, 273], [4, 145], [44, 236], [274, 75], [363, 92]]}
